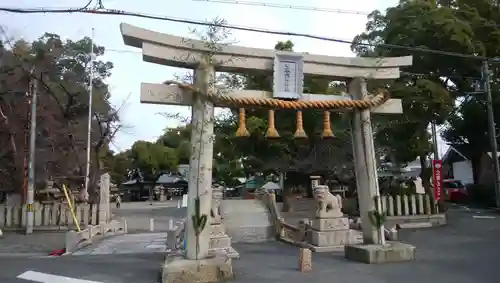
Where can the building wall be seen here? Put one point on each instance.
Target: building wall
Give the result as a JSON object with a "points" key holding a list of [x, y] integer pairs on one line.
{"points": [[462, 171]]}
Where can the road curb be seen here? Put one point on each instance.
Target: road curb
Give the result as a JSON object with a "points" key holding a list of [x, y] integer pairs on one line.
{"points": [[24, 255]]}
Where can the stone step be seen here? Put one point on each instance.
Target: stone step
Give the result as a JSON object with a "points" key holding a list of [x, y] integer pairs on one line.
{"points": [[247, 221], [415, 225]]}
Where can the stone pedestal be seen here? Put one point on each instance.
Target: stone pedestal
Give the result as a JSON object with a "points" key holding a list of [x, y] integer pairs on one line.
{"points": [[104, 208], [220, 242], [389, 252], [328, 234], [180, 270], [330, 229]]}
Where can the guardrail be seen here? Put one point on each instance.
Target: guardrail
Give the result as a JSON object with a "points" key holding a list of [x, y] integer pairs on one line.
{"points": [[175, 235], [76, 240], [284, 231]]}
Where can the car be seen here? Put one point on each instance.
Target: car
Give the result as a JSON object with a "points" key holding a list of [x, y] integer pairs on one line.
{"points": [[455, 191]]}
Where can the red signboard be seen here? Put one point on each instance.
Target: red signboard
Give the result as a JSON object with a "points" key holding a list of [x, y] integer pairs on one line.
{"points": [[437, 177]]}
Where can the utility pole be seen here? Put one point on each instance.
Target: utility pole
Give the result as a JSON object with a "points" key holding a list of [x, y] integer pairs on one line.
{"points": [[31, 163], [434, 140], [89, 128], [436, 156], [491, 130]]}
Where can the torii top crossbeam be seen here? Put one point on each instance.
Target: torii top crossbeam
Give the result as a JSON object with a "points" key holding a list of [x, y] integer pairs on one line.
{"points": [[177, 51]]}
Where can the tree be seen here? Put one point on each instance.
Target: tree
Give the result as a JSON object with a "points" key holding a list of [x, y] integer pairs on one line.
{"points": [[434, 80], [283, 154], [178, 139], [468, 126], [61, 72], [259, 154], [227, 157], [118, 165], [153, 158], [429, 87]]}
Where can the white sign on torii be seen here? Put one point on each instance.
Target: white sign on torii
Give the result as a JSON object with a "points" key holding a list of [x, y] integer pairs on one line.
{"points": [[173, 51]]}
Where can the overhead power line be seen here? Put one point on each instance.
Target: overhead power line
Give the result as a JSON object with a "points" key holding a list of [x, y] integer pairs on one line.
{"points": [[243, 28], [286, 6], [478, 78], [402, 72]]}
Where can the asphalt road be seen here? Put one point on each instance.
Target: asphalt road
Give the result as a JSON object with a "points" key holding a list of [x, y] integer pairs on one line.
{"points": [[39, 243], [465, 251], [99, 268], [138, 215]]}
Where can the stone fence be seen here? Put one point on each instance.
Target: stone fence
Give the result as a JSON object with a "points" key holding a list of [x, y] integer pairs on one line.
{"points": [[403, 209], [55, 216], [77, 240]]}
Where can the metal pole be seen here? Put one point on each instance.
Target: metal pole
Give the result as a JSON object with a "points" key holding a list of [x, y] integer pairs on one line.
{"points": [[89, 128], [492, 131], [31, 162]]}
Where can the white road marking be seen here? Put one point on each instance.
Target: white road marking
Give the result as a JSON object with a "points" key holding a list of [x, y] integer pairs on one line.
{"points": [[50, 278], [483, 217]]}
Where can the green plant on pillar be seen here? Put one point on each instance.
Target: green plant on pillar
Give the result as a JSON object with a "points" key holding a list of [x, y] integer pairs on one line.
{"points": [[199, 222], [212, 213], [377, 216]]}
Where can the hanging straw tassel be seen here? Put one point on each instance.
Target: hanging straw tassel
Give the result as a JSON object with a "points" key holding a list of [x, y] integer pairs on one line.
{"points": [[327, 128], [300, 133], [271, 133], [242, 128]]}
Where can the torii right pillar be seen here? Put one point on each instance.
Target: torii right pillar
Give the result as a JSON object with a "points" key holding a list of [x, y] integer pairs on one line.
{"points": [[374, 248]]}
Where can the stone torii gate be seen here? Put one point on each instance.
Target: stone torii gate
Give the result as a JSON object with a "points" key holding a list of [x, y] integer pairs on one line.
{"points": [[175, 51]]}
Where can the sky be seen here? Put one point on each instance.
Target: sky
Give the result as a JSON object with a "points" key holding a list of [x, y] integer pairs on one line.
{"points": [[144, 121]]}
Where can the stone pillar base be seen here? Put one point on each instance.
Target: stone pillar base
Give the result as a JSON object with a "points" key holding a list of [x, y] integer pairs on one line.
{"points": [[220, 242], [390, 252], [230, 252], [177, 269]]}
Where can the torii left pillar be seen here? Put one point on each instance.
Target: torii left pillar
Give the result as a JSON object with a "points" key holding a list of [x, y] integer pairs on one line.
{"points": [[200, 173]]}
